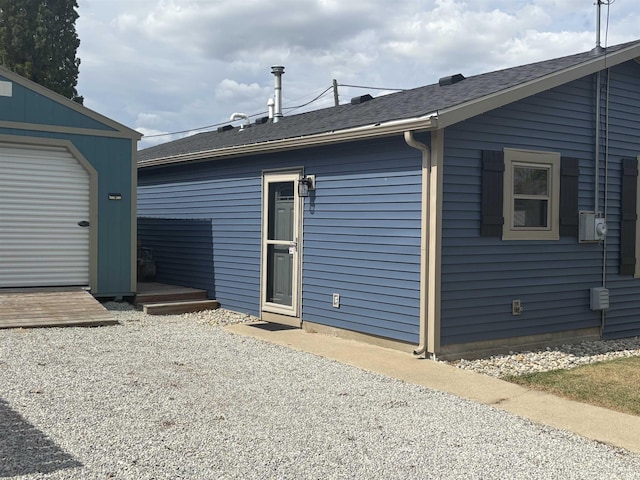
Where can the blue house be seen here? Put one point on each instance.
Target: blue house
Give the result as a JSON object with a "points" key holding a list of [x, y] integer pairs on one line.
{"points": [[471, 215], [68, 193]]}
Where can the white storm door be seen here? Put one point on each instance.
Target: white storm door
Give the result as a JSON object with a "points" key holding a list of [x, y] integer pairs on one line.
{"points": [[280, 244]]}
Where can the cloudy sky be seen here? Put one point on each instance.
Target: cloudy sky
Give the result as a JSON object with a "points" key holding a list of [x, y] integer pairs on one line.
{"points": [[165, 66]]}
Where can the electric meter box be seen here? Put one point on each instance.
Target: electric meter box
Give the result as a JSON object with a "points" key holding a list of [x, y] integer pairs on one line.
{"points": [[592, 228], [599, 298]]}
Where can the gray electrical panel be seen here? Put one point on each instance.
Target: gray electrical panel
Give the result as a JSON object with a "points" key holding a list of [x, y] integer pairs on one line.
{"points": [[592, 228], [599, 298]]}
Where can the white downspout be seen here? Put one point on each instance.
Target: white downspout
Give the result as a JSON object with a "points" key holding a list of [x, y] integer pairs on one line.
{"points": [[424, 237]]}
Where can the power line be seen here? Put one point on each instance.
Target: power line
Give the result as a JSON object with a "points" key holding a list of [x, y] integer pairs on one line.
{"points": [[185, 131], [371, 88], [311, 101]]}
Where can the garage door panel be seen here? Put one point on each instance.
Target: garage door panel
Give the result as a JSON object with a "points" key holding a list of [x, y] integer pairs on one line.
{"points": [[44, 193]]}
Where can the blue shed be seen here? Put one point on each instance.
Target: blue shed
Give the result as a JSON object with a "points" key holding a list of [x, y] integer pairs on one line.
{"points": [[471, 215], [68, 193]]}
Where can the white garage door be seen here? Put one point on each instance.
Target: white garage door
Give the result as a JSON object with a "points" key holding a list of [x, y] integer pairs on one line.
{"points": [[44, 193]]}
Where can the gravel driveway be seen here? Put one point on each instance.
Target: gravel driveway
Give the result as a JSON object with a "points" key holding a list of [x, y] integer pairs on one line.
{"points": [[177, 397]]}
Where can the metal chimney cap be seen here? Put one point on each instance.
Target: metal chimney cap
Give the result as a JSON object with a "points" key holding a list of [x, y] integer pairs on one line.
{"points": [[277, 69]]}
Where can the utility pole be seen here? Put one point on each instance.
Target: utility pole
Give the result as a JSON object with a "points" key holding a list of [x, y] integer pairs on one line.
{"points": [[335, 93]]}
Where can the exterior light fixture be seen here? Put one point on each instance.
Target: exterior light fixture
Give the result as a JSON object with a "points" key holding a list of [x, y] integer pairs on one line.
{"points": [[306, 184]]}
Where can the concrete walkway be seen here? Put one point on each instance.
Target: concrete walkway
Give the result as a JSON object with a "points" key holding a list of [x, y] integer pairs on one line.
{"points": [[595, 423]]}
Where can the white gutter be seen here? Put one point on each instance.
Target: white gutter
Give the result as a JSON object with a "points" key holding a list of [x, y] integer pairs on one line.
{"points": [[426, 122], [424, 237]]}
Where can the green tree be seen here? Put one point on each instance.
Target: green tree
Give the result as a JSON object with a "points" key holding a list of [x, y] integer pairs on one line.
{"points": [[38, 40]]}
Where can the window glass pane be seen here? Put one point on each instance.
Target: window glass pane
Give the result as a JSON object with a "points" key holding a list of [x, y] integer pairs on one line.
{"points": [[281, 202], [530, 213], [530, 180]]}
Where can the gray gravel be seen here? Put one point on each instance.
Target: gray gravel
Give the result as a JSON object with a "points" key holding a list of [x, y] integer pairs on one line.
{"points": [[564, 357], [178, 397]]}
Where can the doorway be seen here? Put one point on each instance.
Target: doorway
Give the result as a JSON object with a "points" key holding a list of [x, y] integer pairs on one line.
{"points": [[281, 220]]}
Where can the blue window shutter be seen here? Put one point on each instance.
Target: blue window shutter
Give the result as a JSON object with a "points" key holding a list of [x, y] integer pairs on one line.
{"points": [[629, 216], [569, 172], [492, 194]]}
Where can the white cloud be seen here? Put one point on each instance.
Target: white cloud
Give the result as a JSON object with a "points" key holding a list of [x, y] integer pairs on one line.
{"points": [[230, 89], [173, 65]]}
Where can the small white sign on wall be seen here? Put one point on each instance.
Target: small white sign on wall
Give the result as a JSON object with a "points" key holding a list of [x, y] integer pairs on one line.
{"points": [[6, 89]]}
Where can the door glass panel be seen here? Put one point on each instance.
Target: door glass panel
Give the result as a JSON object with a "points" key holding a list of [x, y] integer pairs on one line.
{"points": [[281, 203], [279, 275]]}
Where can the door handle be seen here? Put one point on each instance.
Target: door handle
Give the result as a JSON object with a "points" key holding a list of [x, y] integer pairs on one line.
{"points": [[83, 223]]}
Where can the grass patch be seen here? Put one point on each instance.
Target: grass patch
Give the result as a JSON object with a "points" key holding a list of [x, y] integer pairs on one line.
{"points": [[612, 384]]}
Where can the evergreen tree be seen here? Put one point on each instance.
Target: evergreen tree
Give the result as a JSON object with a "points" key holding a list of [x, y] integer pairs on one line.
{"points": [[38, 40]]}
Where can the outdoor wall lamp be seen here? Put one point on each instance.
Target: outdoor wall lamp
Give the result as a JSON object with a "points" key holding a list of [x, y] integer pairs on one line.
{"points": [[305, 184]]}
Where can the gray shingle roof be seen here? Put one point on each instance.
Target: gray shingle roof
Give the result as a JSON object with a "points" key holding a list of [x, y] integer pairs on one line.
{"points": [[407, 104]]}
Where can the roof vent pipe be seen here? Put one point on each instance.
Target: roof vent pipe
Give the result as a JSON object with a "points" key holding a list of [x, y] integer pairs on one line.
{"points": [[241, 116], [277, 71], [598, 48], [270, 106]]}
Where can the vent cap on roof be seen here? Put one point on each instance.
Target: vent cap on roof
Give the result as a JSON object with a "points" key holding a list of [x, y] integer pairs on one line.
{"points": [[225, 128], [361, 99], [451, 79]]}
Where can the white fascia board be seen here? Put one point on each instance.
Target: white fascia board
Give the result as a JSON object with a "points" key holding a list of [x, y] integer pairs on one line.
{"points": [[423, 123], [499, 99]]}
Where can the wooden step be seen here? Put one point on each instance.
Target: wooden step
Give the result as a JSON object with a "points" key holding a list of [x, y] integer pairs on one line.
{"points": [[151, 292], [179, 307], [141, 299]]}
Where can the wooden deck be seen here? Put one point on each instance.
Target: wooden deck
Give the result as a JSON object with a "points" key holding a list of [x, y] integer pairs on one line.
{"points": [[51, 307]]}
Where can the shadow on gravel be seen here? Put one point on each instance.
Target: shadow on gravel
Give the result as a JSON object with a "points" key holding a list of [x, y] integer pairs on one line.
{"points": [[24, 449]]}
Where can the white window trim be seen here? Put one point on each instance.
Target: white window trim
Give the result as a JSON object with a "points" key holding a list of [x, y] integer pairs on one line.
{"points": [[552, 160]]}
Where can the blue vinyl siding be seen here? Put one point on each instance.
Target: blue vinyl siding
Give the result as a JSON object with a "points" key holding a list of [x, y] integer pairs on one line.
{"points": [[361, 230], [182, 251], [228, 195], [482, 275], [362, 240], [623, 318]]}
